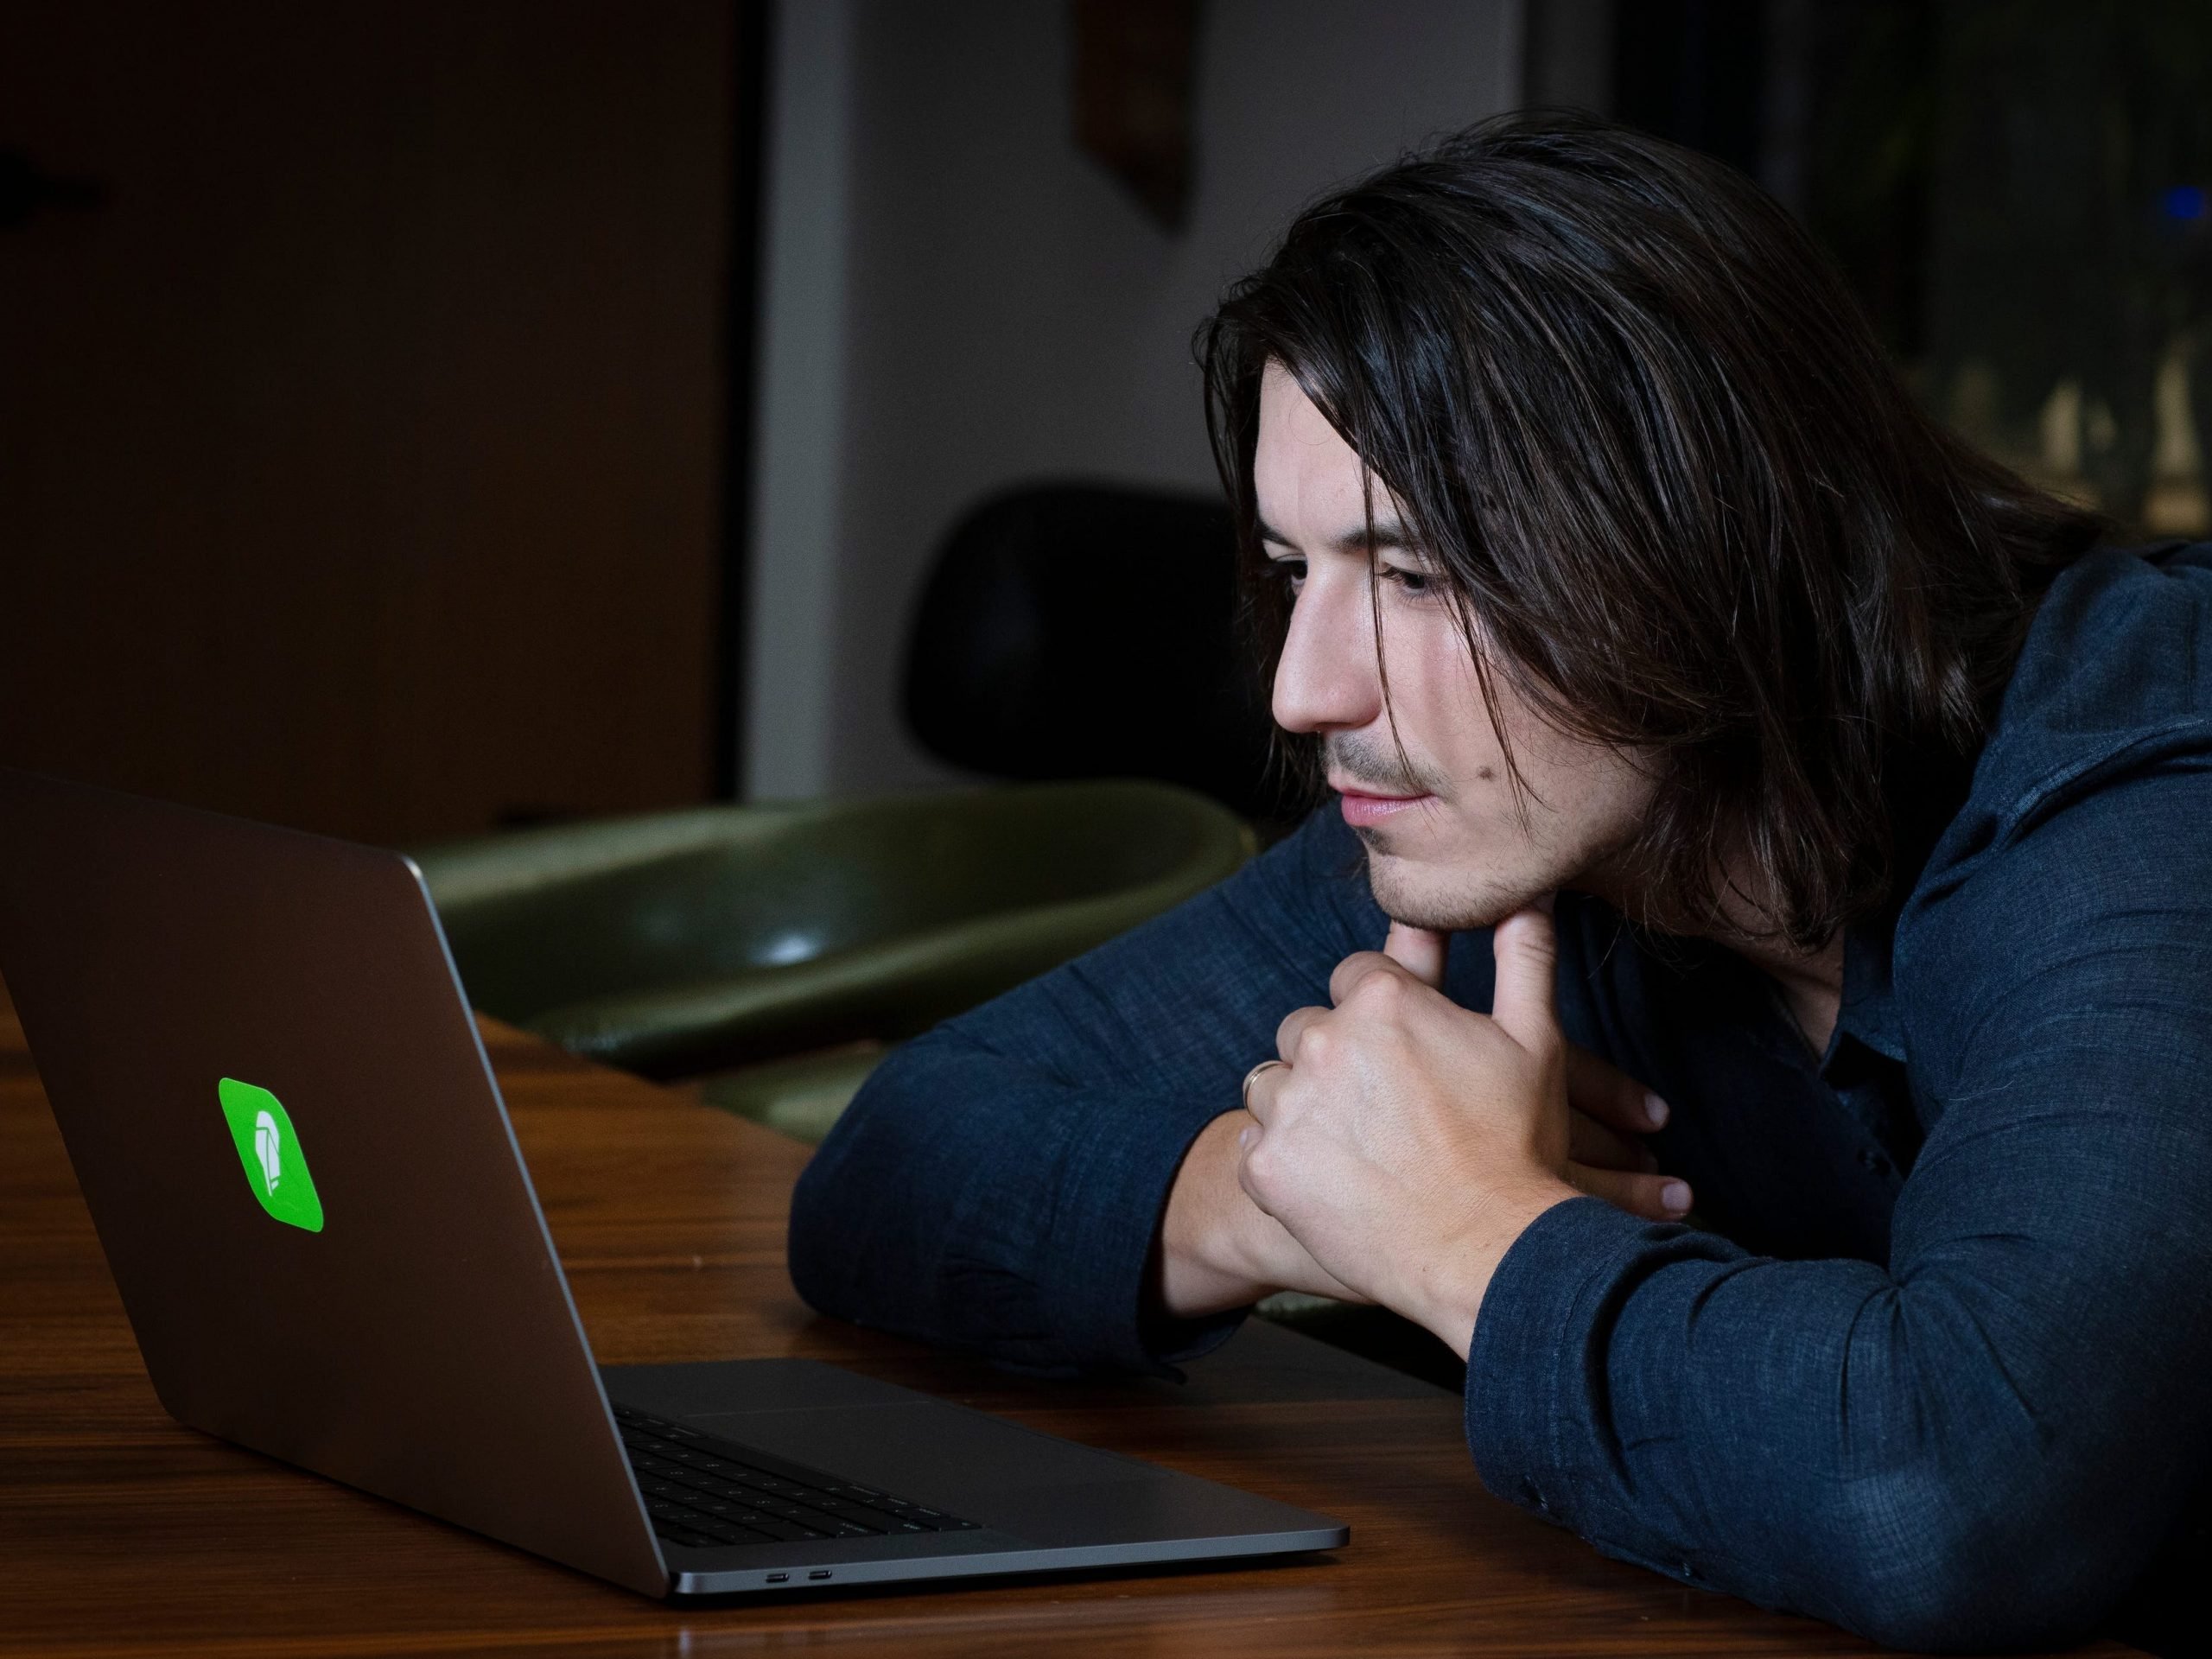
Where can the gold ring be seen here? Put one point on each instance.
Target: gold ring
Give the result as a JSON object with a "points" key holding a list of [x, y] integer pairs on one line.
{"points": [[1245, 1093]]}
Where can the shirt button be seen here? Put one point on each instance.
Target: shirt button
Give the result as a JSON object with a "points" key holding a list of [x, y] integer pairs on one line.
{"points": [[1869, 1159]]}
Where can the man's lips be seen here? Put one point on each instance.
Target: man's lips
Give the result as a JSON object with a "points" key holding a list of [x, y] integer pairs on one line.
{"points": [[1360, 808]]}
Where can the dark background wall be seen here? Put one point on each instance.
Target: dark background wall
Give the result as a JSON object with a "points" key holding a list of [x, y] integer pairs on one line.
{"points": [[361, 391]]}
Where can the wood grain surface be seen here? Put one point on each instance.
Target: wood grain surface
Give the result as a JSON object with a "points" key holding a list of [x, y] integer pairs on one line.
{"points": [[123, 1532]]}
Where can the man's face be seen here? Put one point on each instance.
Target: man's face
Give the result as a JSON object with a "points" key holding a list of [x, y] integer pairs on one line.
{"points": [[1447, 847]]}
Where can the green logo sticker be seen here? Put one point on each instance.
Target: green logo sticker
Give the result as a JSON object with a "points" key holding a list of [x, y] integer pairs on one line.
{"points": [[274, 1168]]}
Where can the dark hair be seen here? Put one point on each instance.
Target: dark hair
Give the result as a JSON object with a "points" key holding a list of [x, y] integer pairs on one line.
{"points": [[1673, 484]]}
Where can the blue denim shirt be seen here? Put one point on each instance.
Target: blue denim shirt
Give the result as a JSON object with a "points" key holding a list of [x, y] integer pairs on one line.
{"points": [[1935, 1366]]}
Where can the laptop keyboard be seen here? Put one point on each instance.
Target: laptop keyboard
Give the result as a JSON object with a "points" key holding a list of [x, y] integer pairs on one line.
{"points": [[707, 1494]]}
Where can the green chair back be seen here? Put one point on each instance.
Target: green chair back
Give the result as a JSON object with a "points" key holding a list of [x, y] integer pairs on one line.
{"points": [[694, 941]]}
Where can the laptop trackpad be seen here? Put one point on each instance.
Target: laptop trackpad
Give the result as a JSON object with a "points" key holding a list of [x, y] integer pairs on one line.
{"points": [[1033, 1485]]}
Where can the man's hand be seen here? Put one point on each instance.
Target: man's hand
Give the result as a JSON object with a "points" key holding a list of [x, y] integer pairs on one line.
{"points": [[1608, 1111], [1409, 1142], [1217, 1248]]}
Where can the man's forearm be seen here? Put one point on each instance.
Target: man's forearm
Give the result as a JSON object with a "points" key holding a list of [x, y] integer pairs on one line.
{"points": [[1219, 1251]]}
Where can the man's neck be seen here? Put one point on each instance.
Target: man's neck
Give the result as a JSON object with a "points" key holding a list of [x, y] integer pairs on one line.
{"points": [[1811, 981]]}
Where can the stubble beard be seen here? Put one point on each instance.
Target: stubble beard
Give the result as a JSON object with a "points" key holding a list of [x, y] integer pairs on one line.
{"points": [[1446, 899], [1450, 902]]}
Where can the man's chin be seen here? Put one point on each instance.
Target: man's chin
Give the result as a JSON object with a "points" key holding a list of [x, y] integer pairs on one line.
{"points": [[1442, 900]]}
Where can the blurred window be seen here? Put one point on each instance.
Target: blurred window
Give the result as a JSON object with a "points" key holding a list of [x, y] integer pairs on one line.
{"points": [[2020, 192]]}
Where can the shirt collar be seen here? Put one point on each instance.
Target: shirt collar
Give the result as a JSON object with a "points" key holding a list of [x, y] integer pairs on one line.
{"points": [[1931, 794], [1869, 1012]]}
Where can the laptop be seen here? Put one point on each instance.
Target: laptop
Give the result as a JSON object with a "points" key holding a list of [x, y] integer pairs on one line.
{"points": [[291, 1143]]}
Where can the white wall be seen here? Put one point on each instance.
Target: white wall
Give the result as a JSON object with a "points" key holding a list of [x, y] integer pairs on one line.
{"points": [[958, 299]]}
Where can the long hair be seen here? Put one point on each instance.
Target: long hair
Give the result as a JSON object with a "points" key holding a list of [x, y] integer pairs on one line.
{"points": [[1677, 493]]}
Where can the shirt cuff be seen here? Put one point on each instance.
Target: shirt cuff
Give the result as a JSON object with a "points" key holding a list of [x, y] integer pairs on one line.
{"points": [[1533, 1339]]}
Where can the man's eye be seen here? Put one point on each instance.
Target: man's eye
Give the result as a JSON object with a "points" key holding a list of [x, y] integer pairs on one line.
{"points": [[1411, 582], [1292, 571]]}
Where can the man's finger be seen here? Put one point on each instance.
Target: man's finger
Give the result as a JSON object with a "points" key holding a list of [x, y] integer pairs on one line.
{"points": [[1360, 965], [1419, 950], [1589, 1141], [1527, 951], [1292, 1026], [1611, 1096], [1259, 1101], [1655, 1198], [1244, 1177]]}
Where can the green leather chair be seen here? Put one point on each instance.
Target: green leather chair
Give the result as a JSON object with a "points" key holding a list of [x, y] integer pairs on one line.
{"points": [[695, 942]]}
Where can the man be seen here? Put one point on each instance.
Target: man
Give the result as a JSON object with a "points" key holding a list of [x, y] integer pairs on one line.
{"points": [[1706, 717]]}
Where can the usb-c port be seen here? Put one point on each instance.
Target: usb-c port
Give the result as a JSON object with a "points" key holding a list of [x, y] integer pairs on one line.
{"points": [[778, 1578], [823, 1574]]}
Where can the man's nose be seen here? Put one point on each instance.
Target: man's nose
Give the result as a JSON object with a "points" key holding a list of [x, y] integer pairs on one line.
{"points": [[1327, 679]]}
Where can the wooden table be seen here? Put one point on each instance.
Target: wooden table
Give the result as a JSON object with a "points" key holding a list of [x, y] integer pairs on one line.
{"points": [[121, 1533]]}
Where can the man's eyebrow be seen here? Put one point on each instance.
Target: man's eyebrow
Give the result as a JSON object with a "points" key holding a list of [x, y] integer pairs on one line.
{"points": [[1388, 532]]}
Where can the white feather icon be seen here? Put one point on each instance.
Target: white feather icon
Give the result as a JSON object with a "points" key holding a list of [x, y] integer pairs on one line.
{"points": [[268, 1146]]}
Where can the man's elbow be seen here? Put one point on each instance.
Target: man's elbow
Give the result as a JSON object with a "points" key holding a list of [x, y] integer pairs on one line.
{"points": [[814, 1256], [1934, 1566], [845, 1199]]}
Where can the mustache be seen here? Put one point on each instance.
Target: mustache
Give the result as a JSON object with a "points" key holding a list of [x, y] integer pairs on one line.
{"points": [[1378, 767]]}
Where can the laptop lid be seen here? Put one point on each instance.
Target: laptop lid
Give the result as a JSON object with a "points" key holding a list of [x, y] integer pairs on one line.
{"points": [[286, 1131]]}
